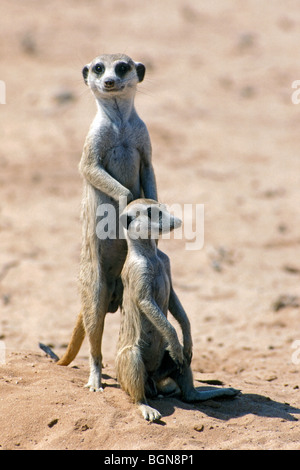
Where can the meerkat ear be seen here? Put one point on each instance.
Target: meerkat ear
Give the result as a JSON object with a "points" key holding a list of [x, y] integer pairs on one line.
{"points": [[85, 72], [140, 70]]}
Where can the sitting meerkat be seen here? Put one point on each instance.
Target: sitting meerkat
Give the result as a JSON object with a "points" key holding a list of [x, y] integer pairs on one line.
{"points": [[149, 350], [115, 163]]}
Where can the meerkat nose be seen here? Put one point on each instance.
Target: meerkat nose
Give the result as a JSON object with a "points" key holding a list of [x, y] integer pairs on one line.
{"points": [[109, 83]]}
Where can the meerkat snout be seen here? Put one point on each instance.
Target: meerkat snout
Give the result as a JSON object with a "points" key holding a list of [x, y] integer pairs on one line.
{"points": [[109, 83]]}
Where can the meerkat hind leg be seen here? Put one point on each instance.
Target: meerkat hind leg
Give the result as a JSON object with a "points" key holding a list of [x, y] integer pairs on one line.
{"points": [[190, 394], [164, 383], [94, 383], [95, 338], [196, 395], [183, 378]]}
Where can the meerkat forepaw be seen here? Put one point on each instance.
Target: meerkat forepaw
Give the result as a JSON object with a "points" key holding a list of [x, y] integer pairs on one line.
{"points": [[150, 414], [176, 354]]}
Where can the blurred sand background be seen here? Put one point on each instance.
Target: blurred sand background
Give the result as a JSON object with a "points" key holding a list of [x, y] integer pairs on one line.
{"points": [[217, 102]]}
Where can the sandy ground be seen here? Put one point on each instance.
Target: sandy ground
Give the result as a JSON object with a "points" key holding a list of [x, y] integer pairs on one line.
{"points": [[225, 134]]}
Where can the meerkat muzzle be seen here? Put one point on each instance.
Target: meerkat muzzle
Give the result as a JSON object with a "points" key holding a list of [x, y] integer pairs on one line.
{"points": [[108, 84]]}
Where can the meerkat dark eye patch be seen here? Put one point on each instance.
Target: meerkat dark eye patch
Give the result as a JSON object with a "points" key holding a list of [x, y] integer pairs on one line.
{"points": [[154, 213], [122, 68], [126, 220], [98, 68]]}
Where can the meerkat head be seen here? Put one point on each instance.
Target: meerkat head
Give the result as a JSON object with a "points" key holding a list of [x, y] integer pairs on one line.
{"points": [[148, 219], [112, 74]]}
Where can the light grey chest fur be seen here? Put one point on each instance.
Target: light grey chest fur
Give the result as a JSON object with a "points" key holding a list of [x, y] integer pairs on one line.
{"points": [[119, 155]]}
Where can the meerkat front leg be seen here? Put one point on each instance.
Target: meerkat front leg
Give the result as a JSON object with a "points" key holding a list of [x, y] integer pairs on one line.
{"points": [[148, 181], [158, 319], [180, 315], [98, 177]]}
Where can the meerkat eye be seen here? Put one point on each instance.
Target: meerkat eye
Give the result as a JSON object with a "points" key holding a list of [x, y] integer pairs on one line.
{"points": [[98, 69], [154, 213], [122, 68]]}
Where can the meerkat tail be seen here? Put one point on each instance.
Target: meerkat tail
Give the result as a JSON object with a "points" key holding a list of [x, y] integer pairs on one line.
{"points": [[75, 343]]}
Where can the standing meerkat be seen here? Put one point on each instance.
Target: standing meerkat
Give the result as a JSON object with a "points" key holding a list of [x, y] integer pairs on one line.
{"points": [[115, 163], [149, 350]]}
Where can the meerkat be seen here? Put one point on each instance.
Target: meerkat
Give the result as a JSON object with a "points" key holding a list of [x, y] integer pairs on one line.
{"points": [[149, 350], [116, 166]]}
